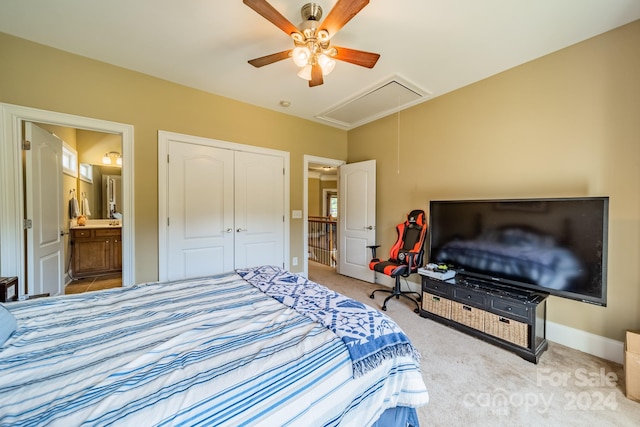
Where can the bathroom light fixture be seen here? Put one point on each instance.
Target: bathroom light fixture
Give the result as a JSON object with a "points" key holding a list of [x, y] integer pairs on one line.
{"points": [[108, 158]]}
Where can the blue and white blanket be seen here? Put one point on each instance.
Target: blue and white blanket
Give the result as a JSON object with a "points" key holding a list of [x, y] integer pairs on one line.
{"points": [[370, 336], [211, 351]]}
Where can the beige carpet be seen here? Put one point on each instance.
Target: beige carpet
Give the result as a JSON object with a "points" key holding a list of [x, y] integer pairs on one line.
{"points": [[473, 383]]}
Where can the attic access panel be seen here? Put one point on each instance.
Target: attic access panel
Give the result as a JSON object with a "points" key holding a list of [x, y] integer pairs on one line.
{"points": [[391, 95]]}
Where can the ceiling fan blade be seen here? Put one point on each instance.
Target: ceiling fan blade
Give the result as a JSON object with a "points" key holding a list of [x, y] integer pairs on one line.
{"points": [[270, 59], [342, 13], [269, 13], [358, 57], [316, 76]]}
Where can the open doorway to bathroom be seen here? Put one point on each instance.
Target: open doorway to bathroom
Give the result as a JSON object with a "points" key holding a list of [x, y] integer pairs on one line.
{"points": [[92, 208], [13, 211]]}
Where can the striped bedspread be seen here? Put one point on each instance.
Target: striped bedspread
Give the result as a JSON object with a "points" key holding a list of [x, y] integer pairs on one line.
{"points": [[214, 351]]}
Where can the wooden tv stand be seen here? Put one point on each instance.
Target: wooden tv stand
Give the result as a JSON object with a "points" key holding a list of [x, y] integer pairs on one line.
{"points": [[506, 316]]}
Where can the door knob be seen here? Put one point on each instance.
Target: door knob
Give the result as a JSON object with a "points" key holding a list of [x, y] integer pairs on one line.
{"points": [[369, 227], [229, 230], [241, 229]]}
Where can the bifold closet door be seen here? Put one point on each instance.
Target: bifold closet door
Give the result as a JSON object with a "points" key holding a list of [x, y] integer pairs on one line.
{"points": [[259, 210], [200, 211], [225, 210]]}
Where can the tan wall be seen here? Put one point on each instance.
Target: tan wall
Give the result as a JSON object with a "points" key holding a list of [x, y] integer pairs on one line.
{"points": [[326, 184], [567, 124], [314, 196], [316, 189], [36, 76]]}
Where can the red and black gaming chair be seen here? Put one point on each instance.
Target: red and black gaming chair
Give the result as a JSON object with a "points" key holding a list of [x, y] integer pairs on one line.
{"points": [[405, 257]]}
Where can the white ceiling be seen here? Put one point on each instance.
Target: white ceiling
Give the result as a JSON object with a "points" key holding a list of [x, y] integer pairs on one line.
{"points": [[436, 46]]}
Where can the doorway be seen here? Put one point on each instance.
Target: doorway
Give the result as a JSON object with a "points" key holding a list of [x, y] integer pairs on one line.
{"points": [[319, 213], [90, 179], [356, 231], [12, 190]]}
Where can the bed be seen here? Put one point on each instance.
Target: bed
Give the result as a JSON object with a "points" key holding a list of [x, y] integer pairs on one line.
{"points": [[259, 346]]}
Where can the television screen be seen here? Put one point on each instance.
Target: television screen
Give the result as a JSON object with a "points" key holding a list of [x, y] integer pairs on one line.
{"points": [[557, 246]]}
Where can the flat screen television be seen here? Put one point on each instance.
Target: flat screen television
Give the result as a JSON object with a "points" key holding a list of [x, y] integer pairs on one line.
{"points": [[553, 245]]}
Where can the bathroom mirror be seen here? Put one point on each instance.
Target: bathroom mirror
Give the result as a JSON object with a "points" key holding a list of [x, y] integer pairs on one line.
{"points": [[102, 189]]}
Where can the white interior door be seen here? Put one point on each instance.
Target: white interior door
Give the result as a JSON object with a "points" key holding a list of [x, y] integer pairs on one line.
{"points": [[225, 208], [200, 211], [259, 210], [44, 210], [357, 219]]}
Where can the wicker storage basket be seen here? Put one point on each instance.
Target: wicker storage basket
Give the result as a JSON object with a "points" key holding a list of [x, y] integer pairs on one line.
{"points": [[467, 315], [507, 329], [436, 305]]}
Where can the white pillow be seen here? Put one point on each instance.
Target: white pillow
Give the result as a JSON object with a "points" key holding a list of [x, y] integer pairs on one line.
{"points": [[8, 324]]}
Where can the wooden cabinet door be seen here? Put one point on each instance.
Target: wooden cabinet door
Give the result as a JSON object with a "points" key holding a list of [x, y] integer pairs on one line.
{"points": [[96, 251], [91, 256], [116, 254]]}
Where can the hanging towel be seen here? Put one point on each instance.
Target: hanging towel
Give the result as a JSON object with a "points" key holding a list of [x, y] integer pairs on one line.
{"points": [[85, 207], [74, 209]]}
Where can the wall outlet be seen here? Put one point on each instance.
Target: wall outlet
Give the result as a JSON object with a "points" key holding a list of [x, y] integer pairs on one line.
{"points": [[294, 261]]}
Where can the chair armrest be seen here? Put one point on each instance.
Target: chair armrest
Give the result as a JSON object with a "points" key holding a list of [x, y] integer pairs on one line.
{"points": [[412, 256], [373, 250]]}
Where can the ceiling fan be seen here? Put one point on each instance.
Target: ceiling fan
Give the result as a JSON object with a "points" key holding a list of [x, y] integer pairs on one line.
{"points": [[312, 51]]}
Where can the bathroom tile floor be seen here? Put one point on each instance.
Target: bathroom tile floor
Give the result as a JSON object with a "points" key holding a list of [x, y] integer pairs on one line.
{"points": [[94, 284]]}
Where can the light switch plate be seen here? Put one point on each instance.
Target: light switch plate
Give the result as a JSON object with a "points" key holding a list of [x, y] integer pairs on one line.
{"points": [[296, 214]]}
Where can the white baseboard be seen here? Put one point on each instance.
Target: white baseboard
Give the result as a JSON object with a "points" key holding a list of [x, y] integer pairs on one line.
{"points": [[596, 345]]}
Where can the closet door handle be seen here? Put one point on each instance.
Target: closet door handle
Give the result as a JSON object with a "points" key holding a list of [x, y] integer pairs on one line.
{"points": [[241, 230], [229, 230]]}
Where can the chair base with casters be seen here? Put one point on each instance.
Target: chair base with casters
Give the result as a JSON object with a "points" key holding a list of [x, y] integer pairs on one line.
{"points": [[405, 258], [398, 292]]}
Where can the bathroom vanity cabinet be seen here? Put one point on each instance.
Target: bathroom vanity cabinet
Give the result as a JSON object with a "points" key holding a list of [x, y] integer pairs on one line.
{"points": [[96, 251]]}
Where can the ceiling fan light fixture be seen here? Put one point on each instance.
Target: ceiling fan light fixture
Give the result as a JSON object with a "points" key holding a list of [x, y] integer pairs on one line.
{"points": [[305, 72], [326, 63], [312, 51], [301, 56], [323, 36]]}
